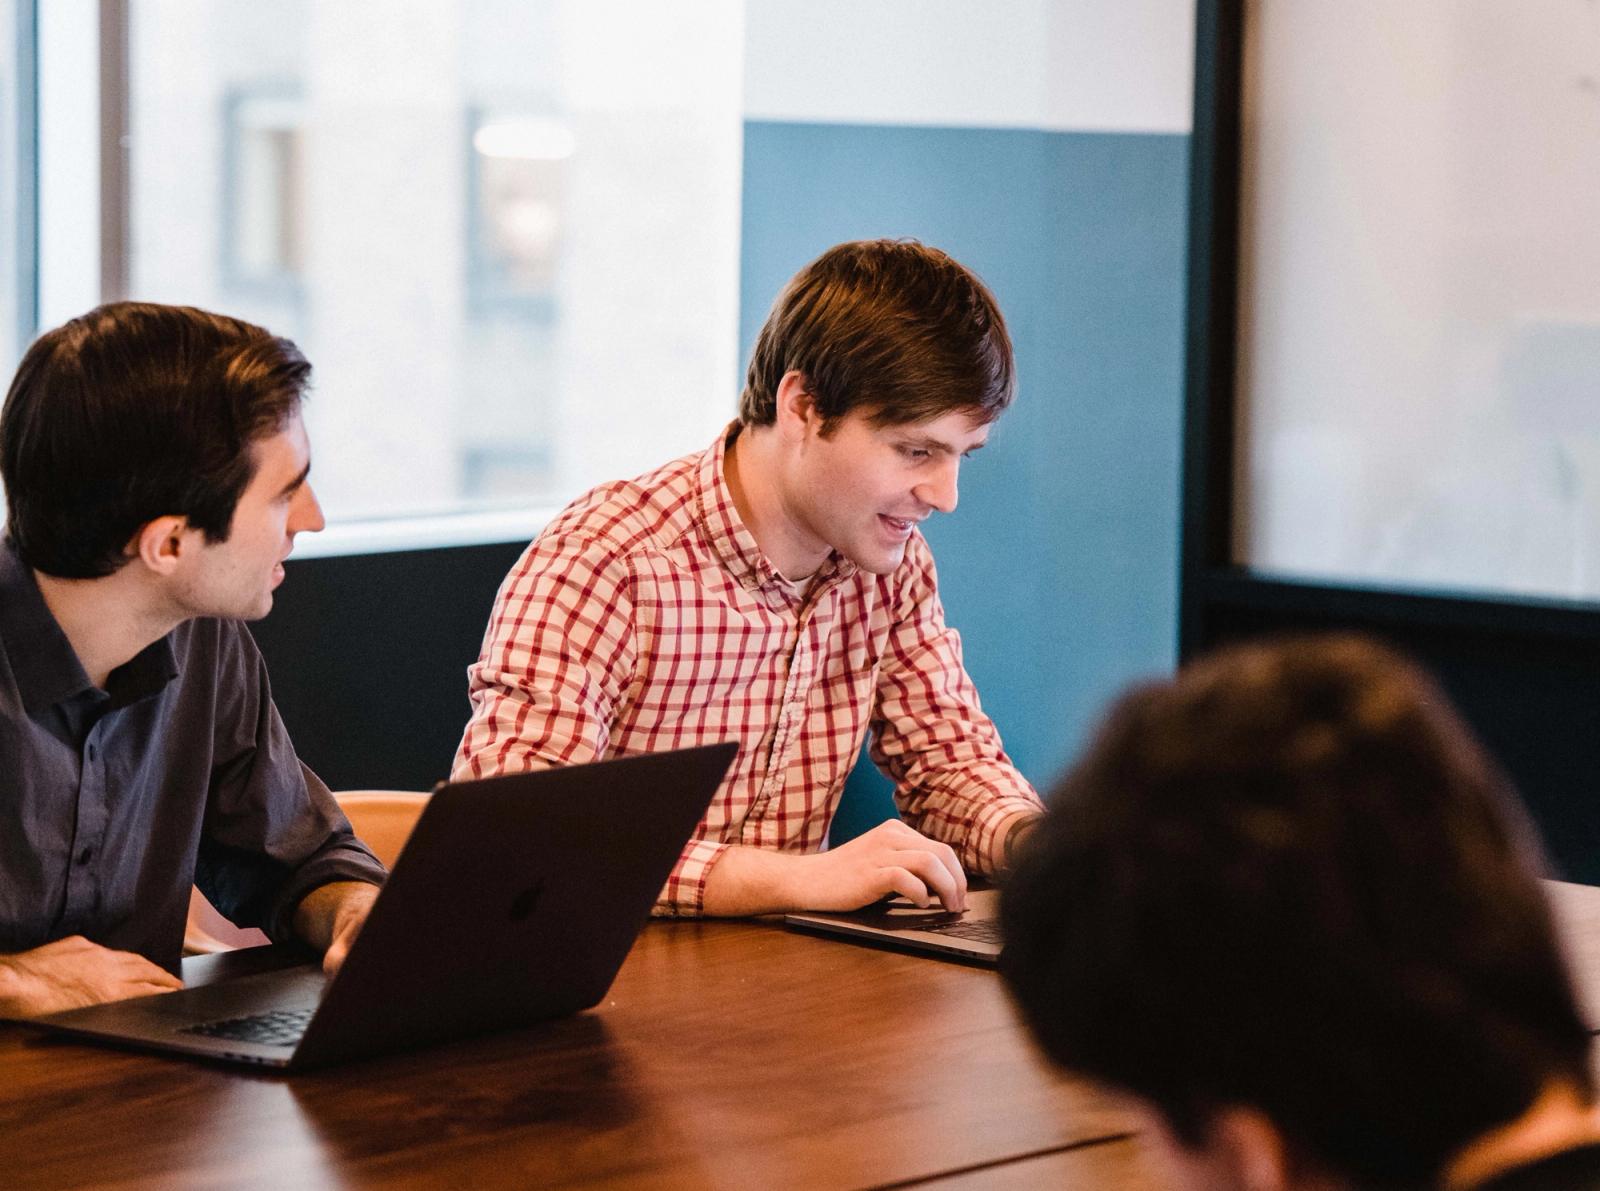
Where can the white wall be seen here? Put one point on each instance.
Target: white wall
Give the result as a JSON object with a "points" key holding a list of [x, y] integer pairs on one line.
{"points": [[1091, 65]]}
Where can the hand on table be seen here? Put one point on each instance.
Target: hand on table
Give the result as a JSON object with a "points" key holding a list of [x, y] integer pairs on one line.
{"points": [[73, 972]]}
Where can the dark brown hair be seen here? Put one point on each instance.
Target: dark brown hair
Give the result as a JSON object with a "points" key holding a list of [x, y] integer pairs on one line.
{"points": [[891, 327], [132, 412], [1291, 880]]}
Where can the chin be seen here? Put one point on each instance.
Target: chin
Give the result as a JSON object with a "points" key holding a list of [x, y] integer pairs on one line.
{"points": [[258, 609], [878, 562]]}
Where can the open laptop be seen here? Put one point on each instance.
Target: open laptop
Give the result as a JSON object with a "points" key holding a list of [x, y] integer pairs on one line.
{"points": [[973, 935], [515, 899]]}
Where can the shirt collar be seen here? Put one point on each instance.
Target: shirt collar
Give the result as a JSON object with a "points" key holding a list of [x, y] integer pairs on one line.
{"points": [[45, 666], [733, 542]]}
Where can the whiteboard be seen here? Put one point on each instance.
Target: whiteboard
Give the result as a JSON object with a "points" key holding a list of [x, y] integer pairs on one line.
{"points": [[1419, 294]]}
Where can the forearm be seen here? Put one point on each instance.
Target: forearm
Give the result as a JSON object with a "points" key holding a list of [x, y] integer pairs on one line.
{"points": [[953, 780], [338, 859], [317, 916], [1007, 838], [747, 881], [890, 859], [974, 810], [12, 1003]]}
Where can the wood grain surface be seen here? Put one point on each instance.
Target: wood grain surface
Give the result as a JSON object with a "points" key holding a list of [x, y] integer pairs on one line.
{"points": [[726, 1055]]}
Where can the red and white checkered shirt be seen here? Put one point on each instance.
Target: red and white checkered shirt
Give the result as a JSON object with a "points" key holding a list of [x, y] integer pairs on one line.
{"points": [[645, 618]]}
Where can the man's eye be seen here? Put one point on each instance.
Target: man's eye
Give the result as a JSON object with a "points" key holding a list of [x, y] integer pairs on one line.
{"points": [[914, 452]]}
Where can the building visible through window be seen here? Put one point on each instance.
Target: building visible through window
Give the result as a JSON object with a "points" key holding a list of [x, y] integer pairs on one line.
{"points": [[504, 231], [265, 220]]}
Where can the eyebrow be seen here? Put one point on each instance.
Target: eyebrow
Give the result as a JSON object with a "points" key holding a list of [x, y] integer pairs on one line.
{"points": [[289, 488], [937, 444]]}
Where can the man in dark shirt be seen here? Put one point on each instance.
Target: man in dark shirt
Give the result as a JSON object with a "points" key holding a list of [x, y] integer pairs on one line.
{"points": [[1288, 907], [155, 469]]}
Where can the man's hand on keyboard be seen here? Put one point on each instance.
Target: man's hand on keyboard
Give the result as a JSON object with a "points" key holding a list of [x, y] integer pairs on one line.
{"points": [[331, 916]]}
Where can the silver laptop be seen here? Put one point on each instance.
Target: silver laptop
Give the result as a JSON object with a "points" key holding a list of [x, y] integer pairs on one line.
{"points": [[516, 899], [898, 924]]}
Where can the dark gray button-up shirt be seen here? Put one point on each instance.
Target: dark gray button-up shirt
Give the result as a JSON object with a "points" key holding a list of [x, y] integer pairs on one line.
{"points": [[114, 802]]}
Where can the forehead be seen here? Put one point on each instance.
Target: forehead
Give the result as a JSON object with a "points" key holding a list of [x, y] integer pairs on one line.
{"points": [[282, 453]]}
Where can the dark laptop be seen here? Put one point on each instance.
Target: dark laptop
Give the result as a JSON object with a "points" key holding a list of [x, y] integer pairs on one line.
{"points": [[973, 935], [516, 899]]}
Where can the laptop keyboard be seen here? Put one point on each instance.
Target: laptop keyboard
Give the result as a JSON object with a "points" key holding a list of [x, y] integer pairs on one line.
{"points": [[278, 1027], [984, 930]]}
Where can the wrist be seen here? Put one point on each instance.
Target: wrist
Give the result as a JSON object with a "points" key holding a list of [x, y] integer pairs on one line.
{"points": [[317, 914], [1012, 833], [791, 881], [15, 1000], [9, 983], [746, 880]]}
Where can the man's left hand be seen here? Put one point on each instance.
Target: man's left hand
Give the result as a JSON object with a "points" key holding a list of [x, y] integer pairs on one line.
{"points": [[331, 916]]}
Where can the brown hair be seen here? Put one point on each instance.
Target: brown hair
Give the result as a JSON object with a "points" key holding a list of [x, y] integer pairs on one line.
{"points": [[132, 412], [888, 326], [1290, 879]]}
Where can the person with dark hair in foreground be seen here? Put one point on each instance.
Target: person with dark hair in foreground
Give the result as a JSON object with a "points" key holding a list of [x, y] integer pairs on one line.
{"points": [[155, 471], [774, 589], [1289, 906]]}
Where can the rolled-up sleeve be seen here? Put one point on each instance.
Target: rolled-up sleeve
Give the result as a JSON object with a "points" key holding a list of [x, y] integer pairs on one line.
{"points": [[272, 832], [953, 780]]}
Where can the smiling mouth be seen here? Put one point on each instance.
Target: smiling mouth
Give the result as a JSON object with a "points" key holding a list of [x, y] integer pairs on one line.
{"points": [[900, 525]]}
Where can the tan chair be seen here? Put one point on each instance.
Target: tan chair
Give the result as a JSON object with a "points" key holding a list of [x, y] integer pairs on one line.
{"points": [[382, 819]]}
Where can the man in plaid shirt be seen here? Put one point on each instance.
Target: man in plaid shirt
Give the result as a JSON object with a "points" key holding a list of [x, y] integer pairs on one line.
{"points": [[774, 589]]}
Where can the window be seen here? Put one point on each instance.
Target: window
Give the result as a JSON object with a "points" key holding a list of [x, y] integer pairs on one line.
{"points": [[16, 179], [515, 211], [1419, 377], [446, 212], [264, 217]]}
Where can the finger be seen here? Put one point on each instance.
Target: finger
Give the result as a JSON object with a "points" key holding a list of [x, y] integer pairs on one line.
{"points": [[951, 888], [137, 968], [912, 838], [945, 854], [904, 882], [333, 958], [947, 857]]}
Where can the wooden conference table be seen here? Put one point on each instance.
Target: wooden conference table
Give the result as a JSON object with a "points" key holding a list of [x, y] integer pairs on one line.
{"points": [[726, 1055]]}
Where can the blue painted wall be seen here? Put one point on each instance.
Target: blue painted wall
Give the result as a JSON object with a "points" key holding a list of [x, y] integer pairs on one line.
{"points": [[1060, 566]]}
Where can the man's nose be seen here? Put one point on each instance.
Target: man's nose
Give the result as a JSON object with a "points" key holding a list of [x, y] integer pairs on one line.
{"points": [[939, 491], [306, 516]]}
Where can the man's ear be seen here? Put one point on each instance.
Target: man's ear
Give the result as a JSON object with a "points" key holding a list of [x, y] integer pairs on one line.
{"points": [[796, 407], [162, 543], [1251, 1149]]}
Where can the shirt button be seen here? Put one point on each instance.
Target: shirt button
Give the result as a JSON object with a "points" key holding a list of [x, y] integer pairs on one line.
{"points": [[85, 856]]}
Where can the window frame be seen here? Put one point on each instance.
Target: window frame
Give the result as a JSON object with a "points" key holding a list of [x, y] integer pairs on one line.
{"points": [[24, 232], [1216, 593]]}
